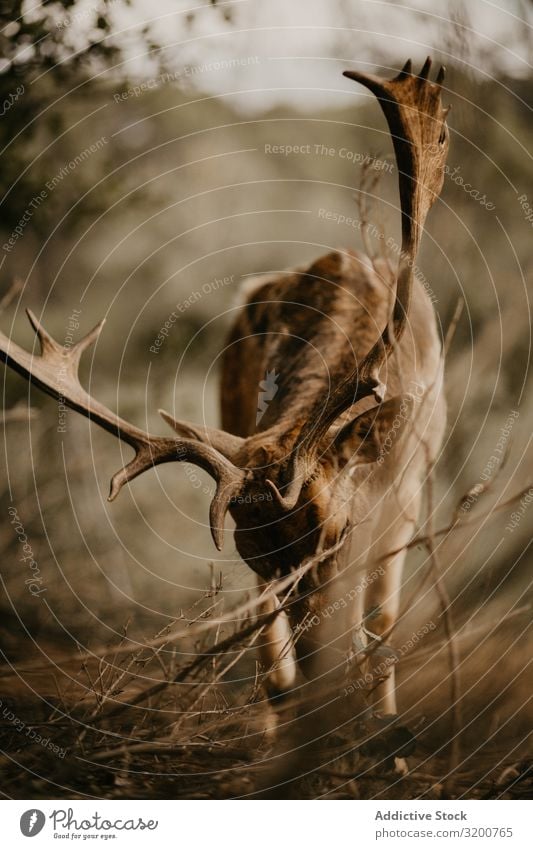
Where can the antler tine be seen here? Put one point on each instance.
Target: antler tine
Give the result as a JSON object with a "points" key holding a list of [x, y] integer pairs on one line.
{"points": [[47, 343], [287, 500], [88, 339], [426, 67], [406, 70], [228, 488], [55, 371]]}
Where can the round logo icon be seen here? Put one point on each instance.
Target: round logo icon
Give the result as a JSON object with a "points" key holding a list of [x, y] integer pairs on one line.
{"points": [[32, 822]]}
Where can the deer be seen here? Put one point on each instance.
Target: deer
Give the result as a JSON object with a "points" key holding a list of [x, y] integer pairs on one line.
{"points": [[331, 472]]}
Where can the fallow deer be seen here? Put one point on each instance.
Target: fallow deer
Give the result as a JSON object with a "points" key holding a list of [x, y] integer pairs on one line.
{"points": [[341, 449]]}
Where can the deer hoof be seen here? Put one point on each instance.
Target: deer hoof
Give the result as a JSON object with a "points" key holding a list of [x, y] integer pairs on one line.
{"points": [[400, 766]]}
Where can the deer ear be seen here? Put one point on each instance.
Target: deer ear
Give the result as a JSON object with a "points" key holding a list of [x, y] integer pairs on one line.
{"points": [[374, 433]]}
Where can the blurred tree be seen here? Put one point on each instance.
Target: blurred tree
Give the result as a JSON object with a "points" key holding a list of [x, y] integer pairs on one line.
{"points": [[33, 43], [49, 51]]}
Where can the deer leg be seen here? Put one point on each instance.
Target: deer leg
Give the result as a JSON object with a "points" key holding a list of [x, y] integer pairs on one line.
{"points": [[382, 607], [382, 600], [319, 707], [276, 652]]}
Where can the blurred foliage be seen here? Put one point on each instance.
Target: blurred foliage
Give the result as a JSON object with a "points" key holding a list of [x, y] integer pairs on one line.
{"points": [[33, 48]]}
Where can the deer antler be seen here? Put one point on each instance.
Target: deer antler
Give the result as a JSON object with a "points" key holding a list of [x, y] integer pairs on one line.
{"points": [[417, 122], [55, 371], [295, 474]]}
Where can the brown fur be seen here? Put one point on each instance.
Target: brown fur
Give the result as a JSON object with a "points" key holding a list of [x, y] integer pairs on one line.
{"points": [[282, 328]]}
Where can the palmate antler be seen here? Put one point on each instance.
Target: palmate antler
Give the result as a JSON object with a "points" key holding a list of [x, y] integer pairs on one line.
{"points": [[55, 371], [417, 122]]}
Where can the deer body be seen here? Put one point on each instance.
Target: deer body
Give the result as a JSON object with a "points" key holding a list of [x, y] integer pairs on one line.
{"points": [[341, 446], [308, 327]]}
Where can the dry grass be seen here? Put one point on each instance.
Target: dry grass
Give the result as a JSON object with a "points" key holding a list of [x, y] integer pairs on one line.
{"points": [[193, 744], [134, 721]]}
